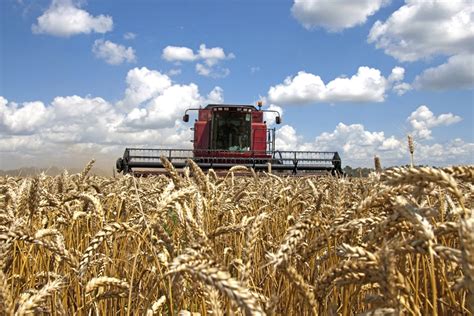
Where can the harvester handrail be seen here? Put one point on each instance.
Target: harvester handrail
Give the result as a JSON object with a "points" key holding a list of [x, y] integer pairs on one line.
{"points": [[231, 151]]}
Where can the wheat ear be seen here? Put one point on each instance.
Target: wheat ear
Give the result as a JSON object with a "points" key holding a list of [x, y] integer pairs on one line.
{"points": [[207, 271], [36, 300], [98, 239]]}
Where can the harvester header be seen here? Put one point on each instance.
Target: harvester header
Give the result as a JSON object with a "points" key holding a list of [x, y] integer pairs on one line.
{"points": [[226, 135]]}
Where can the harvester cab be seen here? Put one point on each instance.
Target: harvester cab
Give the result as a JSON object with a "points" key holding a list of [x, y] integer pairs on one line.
{"points": [[236, 129], [226, 135]]}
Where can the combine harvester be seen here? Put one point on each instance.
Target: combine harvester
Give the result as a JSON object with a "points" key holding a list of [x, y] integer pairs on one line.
{"points": [[228, 135]]}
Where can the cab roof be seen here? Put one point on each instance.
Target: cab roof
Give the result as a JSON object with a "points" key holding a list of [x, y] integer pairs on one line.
{"points": [[243, 106]]}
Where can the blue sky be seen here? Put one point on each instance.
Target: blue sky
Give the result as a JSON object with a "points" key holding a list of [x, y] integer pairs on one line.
{"points": [[89, 78]]}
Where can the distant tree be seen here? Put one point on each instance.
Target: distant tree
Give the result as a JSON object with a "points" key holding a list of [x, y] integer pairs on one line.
{"points": [[357, 172]]}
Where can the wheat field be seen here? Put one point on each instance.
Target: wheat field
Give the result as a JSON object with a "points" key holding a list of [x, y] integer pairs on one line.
{"points": [[400, 242]]}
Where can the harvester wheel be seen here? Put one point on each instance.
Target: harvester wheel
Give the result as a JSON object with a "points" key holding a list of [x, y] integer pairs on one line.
{"points": [[119, 165]]}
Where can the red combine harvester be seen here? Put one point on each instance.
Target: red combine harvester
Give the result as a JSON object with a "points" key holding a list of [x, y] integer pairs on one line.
{"points": [[228, 135]]}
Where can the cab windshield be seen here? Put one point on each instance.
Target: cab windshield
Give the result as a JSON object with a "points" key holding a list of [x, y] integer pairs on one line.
{"points": [[231, 130]]}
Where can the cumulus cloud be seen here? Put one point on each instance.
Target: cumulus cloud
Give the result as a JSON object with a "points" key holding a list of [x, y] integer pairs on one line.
{"points": [[176, 53], [77, 128], [165, 108], [113, 54], [368, 85], [24, 119], [353, 139], [28, 145], [174, 72], [401, 88], [424, 28], [334, 15], [129, 36], [213, 55], [64, 18], [396, 78], [456, 151], [357, 146], [456, 73], [422, 120], [216, 96], [142, 85], [152, 100], [80, 120], [398, 73], [287, 139], [210, 71], [209, 59]]}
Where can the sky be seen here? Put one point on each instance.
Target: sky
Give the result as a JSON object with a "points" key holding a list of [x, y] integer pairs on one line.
{"points": [[86, 79]]}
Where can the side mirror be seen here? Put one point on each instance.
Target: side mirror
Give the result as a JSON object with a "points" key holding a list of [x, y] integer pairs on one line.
{"points": [[278, 120], [186, 117]]}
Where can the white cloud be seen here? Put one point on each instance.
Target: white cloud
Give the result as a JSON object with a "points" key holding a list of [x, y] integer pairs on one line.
{"points": [[203, 70], [24, 119], [175, 53], [334, 15], [64, 18], [78, 128], [368, 85], [129, 36], [396, 78], [27, 144], [287, 139], [354, 143], [422, 120], [424, 28], [209, 57], [79, 108], [210, 71], [401, 88], [174, 72], [152, 100], [303, 88], [456, 73], [213, 55], [113, 54], [365, 86], [398, 73], [81, 120], [163, 110], [456, 151], [142, 85], [216, 96], [353, 139], [254, 69], [357, 147]]}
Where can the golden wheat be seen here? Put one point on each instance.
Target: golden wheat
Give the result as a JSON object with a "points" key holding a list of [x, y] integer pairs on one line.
{"points": [[398, 242]]}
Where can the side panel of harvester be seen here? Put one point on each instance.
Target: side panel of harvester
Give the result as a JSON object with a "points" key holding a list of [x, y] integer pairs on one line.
{"points": [[259, 133], [202, 130]]}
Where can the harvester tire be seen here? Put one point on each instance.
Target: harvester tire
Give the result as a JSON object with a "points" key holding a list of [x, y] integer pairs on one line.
{"points": [[119, 165]]}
